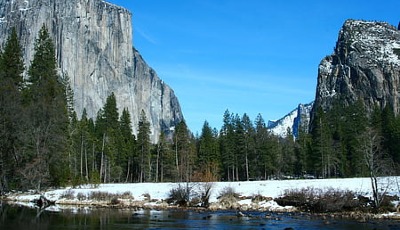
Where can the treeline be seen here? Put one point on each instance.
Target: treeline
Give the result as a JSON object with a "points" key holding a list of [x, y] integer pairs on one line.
{"points": [[349, 141], [44, 143], [344, 141]]}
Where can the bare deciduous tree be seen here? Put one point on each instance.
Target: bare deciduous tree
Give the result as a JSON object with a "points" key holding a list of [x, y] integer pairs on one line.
{"points": [[378, 164]]}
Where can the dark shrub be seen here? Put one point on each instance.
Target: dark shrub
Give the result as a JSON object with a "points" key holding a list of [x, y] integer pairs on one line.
{"points": [[100, 196], [115, 201], [228, 192], [205, 191], [81, 196], [69, 195], [180, 195], [320, 201]]}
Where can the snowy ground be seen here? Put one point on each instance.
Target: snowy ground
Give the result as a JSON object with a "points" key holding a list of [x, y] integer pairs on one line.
{"points": [[272, 188]]}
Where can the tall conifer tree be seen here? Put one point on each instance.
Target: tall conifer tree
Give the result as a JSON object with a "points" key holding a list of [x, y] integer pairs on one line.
{"points": [[208, 153], [143, 147], [108, 135], [11, 80], [127, 145], [227, 146]]}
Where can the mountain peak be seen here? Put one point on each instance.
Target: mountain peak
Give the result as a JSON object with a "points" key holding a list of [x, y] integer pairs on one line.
{"points": [[365, 66], [377, 41]]}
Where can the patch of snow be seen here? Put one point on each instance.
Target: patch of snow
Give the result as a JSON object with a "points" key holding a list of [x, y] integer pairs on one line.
{"points": [[245, 202], [272, 206], [378, 40], [325, 67]]}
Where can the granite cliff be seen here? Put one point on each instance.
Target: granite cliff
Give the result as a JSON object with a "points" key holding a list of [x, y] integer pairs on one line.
{"points": [[365, 66], [95, 49]]}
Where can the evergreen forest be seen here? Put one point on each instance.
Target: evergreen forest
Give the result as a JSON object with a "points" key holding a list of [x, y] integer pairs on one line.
{"points": [[44, 143]]}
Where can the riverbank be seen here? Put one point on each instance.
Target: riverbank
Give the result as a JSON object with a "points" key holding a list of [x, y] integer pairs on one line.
{"points": [[258, 196]]}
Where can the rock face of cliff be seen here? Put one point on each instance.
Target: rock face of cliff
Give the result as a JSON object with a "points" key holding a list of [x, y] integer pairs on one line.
{"points": [[94, 46], [365, 66]]}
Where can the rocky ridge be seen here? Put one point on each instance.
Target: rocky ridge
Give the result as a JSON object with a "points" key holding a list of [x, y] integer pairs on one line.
{"points": [[94, 46], [365, 66], [293, 121]]}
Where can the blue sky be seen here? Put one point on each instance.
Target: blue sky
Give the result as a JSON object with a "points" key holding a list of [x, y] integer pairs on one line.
{"points": [[247, 56]]}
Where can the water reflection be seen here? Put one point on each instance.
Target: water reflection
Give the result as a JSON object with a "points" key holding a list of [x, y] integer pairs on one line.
{"points": [[17, 217]]}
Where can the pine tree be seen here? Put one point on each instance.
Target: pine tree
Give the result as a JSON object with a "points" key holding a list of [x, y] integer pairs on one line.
{"points": [[208, 151], [84, 140], [127, 145], [184, 152], [164, 159], [227, 146], [249, 147], [69, 95], [354, 126], [240, 149], [12, 64], [74, 149], [47, 109], [108, 136], [319, 160], [301, 149], [391, 133], [143, 148], [11, 80], [261, 147]]}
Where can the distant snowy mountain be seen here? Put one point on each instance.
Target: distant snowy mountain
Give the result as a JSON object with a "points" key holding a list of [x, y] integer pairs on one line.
{"points": [[292, 121]]}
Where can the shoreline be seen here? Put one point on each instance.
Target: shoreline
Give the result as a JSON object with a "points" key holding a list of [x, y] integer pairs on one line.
{"points": [[257, 196], [360, 217], [244, 210]]}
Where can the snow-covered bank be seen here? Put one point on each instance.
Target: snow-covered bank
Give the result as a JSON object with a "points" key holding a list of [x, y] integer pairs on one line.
{"points": [[153, 195]]}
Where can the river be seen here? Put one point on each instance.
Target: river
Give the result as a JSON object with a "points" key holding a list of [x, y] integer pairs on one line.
{"points": [[19, 217]]}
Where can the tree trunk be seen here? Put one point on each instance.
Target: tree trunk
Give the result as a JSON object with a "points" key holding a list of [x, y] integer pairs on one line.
{"points": [[162, 172], [86, 164], [237, 173], [157, 163], [142, 165], [247, 168], [93, 158], [149, 168], [81, 157], [375, 192], [102, 156], [127, 170], [105, 169], [176, 156]]}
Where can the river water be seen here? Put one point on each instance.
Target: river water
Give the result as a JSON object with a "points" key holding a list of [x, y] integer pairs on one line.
{"points": [[18, 217]]}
